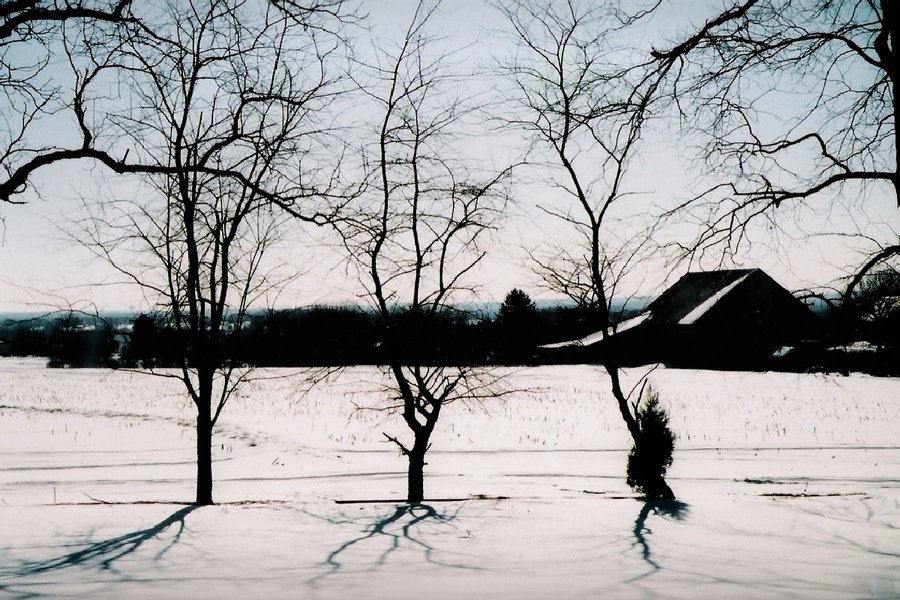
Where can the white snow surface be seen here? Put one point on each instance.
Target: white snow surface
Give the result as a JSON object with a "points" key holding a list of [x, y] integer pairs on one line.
{"points": [[598, 336], [788, 486]]}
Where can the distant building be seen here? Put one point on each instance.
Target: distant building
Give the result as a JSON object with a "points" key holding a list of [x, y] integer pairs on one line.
{"points": [[714, 319]]}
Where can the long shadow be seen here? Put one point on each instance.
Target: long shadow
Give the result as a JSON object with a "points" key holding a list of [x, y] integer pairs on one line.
{"points": [[104, 554], [668, 509], [884, 528], [400, 527]]}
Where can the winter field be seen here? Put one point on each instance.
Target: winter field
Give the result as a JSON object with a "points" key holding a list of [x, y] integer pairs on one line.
{"points": [[788, 485]]}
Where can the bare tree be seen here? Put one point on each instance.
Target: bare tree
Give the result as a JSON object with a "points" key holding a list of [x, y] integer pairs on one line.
{"points": [[24, 19], [220, 101], [417, 229], [32, 34], [875, 307], [796, 103], [37, 35], [583, 120]]}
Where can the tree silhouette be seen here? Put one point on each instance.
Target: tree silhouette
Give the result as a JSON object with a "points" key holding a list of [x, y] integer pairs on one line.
{"points": [[875, 308], [585, 122], [34, 34], [77, 342], [415, 232], [649, 460], [796, 105], [518, 327], [221, 97], [143, 347]]}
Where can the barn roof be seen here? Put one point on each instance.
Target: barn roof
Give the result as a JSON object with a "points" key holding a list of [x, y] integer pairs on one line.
{"points": [[692, 296], [683, 303]]}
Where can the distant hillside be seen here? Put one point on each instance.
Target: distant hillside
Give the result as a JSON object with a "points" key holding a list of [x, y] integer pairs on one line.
{"points": [[485, 310], [489, 310]]}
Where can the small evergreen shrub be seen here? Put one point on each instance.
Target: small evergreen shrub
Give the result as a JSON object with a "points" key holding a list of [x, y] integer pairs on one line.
{"points": [[649, 460]]}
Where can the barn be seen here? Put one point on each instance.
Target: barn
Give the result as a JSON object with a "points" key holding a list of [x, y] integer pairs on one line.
{"points": [[715, 319]]}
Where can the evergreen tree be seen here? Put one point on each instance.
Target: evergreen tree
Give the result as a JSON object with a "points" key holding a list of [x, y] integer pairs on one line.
{"points": [[519, 327], [649, 460]]}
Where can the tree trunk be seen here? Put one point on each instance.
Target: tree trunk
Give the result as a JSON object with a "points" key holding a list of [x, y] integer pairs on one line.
{"points": [[204, 459], [656, 487], [416, 481]]}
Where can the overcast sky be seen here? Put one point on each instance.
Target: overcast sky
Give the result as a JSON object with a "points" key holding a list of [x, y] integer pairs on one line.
{"points": [[41, 267]]}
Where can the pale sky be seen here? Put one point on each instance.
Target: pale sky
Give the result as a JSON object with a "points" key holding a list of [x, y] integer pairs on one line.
{"points": [[40, 267]]}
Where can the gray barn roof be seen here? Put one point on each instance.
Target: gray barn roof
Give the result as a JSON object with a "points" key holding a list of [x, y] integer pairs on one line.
{"points": [[684, 303], [694, 295]]}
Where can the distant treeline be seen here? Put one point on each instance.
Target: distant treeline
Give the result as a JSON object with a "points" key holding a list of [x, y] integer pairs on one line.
{"points": [[338, 336], [70, 340], [319, 336]]}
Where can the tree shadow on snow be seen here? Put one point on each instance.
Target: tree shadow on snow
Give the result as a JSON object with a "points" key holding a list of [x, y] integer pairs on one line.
{"points": [[406, 526], [668, 509], [104, 554], [874, 524]]}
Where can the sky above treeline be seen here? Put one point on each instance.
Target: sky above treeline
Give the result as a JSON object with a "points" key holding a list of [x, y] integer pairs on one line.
{"points": [[42, 266]]}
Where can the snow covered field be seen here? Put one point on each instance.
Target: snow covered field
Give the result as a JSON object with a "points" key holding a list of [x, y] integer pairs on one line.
{"points": [[788, 485]]}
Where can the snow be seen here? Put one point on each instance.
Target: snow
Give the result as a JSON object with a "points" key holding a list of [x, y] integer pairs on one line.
{"points": [[633, 322], [599, 335], [707, 304], [788, 485]]}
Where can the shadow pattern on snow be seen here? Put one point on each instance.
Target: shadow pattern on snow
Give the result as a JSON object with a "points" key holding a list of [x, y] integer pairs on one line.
{"points": [[103, 554], [862, 512], [669, 509], [403, 526]]}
